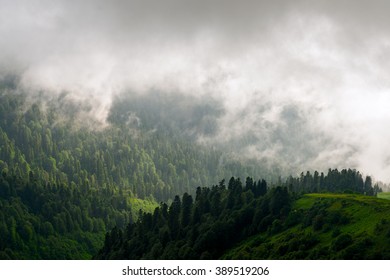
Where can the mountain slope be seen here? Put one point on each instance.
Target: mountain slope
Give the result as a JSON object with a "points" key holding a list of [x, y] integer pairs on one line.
{"points": [[65, 179], [325, 226], [250, 221]]}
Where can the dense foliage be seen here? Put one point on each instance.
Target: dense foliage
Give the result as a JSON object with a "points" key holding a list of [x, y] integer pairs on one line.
{"points": [[48, 139], [200, 228], [54, 221], [65, 179], [346, 180], [219, 218]]}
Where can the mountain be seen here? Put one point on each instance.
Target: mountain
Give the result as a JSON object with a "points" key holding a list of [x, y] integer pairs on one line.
{"points": [[75, 187], [67, 178], [253, 221]]}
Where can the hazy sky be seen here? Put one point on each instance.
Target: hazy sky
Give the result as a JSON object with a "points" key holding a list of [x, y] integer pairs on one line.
{"points": [[307, 80]]}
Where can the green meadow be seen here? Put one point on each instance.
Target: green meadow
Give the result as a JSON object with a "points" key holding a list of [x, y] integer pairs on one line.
{"points": [[325, 226]]}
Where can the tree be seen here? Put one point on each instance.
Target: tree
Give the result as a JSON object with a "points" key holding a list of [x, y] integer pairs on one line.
{"points": [[173, 217], [186, 209], [368, 186]]}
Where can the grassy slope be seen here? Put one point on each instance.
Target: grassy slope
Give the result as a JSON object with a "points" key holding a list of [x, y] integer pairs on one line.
{"points": [[385, 195], [352, 227], [146, 205]]}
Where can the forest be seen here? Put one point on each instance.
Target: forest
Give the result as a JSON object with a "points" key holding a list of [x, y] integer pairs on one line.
{"points": [[141, 187], [66, 180], [240, 221], [191, 130]]}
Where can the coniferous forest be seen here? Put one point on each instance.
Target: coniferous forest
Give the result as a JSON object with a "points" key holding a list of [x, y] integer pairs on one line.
{"points": [[140, 187], [251, 221], [63, 184], [199, 129]]}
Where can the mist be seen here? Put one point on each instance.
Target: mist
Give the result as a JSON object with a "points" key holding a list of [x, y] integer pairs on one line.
{"points": [[303, 85]]}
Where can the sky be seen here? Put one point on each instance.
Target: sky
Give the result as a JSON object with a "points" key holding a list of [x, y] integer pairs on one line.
{"points": [[303, 84]]}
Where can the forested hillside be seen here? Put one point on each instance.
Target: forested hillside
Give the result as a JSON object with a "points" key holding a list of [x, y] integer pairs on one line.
{"points": [[324, 226], [249, 221], [66, 179], [198, 129]]}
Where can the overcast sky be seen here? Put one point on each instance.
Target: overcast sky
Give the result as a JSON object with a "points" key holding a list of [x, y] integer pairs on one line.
{"points": [[308, 79]]}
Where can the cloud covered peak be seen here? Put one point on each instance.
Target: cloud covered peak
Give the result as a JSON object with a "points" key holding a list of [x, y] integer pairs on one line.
{"points": [[303, 84]]}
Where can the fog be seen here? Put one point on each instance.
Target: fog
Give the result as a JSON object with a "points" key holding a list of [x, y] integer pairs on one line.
{"points": [[303, 85]]}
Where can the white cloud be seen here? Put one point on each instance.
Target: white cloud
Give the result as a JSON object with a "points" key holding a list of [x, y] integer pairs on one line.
{"points": [[320, 66]]}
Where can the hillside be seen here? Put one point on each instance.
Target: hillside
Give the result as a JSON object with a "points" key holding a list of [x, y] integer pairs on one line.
{"points": [[325, 226], [384, 195], [253, 221], [199, 129], [57, 140], [65, 179]]}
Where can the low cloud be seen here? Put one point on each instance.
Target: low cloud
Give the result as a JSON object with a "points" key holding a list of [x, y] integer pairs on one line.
{"points": [[304, 85]]}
